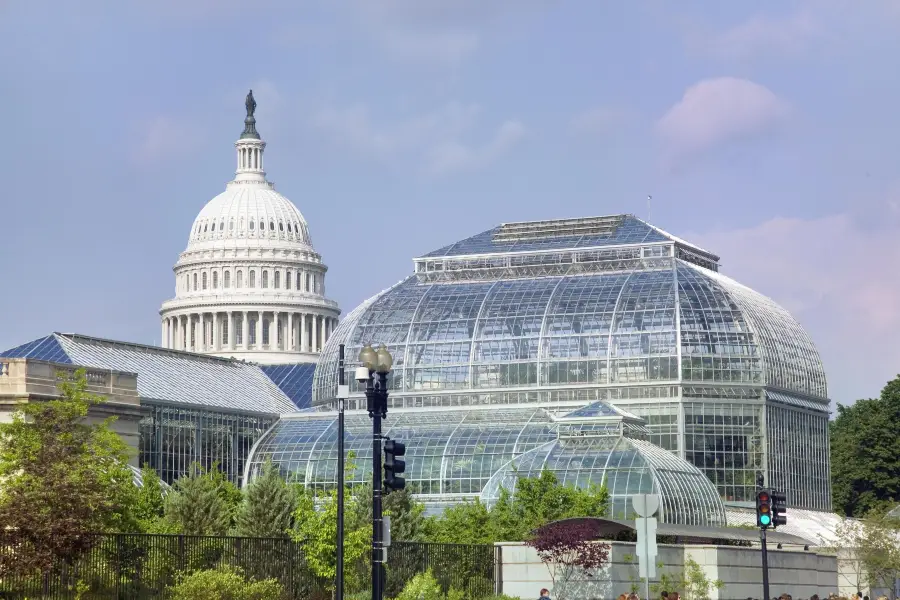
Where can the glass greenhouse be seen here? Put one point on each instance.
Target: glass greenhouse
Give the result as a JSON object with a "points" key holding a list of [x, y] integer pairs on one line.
{"points": [[565, 313], [454, 454]]}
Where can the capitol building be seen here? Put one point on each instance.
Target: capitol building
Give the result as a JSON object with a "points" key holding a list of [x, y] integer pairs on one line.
{"points": [[603, 349], [250, 285]]}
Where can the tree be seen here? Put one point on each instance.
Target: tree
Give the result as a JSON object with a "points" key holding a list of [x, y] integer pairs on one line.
{"points": [[62, 479], [865, 453], [316, 531], [568, 548], [224, 584], [198, 505], [267, 506], [149, 505], [868, 548], [513, 517]]}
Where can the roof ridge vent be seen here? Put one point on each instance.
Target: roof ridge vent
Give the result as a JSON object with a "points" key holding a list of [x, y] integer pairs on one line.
{"points": [[558, 228]]}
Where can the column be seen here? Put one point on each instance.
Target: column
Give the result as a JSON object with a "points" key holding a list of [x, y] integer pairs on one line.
{"points": [[217, 335], [259, 327], [291, 337], [303, 347], [230, 330], [276, 330], [315, 333], [245, 331]]}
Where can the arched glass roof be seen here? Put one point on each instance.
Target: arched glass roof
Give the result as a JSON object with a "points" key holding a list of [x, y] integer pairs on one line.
{"points": [[673, 323], [628, 467], [449, 452]]}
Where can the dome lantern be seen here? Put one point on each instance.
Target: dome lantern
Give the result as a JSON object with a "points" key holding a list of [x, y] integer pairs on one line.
{"points": [[250, 147]]}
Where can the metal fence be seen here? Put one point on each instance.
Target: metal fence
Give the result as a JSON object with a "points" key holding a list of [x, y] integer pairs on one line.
{"points": [[143, 566]]}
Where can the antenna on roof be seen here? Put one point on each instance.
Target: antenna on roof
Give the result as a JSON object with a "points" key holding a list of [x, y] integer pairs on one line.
{"points": [[649, 199]]}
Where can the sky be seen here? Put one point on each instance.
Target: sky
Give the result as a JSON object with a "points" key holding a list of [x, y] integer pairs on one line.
{"points": [[765, 132]]}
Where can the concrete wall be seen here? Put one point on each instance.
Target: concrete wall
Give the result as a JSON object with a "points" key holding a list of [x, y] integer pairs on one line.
{"points": [[27, 380], [798, 573]]}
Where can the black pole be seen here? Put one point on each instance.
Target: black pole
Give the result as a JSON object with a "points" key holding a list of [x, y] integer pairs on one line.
{"points": [[375, 401], [765, 563], [339, 571]]}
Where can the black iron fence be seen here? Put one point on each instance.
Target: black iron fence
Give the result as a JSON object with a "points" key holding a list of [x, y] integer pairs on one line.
{"points": [[143, 566]]}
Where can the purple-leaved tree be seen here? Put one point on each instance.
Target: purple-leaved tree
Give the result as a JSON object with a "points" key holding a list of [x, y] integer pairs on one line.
{"points": [[567, 548]]}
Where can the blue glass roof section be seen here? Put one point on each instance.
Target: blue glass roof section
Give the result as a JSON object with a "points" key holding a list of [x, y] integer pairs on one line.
{"points": [[45, 348], [630, 231], [169, 376], [597, 409], [294, 380]]}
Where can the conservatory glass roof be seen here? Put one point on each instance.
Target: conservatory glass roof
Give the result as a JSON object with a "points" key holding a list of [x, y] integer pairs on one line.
{"points": [[627, 466], [668, 323]]}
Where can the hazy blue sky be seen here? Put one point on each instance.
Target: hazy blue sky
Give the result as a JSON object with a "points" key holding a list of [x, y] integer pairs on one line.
{"points": [[765, 131]]}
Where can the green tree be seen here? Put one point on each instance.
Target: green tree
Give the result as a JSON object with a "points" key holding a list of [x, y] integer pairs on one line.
{"points": [[316, 531], [63, 477], [149, 505], [867, 548], [198, 504], [267, 506], [514, 517], [865, 453]]}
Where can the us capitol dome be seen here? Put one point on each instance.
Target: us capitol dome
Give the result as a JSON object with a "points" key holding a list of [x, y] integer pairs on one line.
{"points": [[250, 285]]}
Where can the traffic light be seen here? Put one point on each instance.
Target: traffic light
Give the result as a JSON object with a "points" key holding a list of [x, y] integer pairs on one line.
{"points": [[393, 464], [763, 509], [779, 509]]}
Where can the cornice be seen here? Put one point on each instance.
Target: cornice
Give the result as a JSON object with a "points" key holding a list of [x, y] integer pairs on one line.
{"points": [[323, 307]]}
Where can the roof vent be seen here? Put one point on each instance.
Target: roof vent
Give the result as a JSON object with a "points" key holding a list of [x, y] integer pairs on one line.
{"points": [[561, 228]]}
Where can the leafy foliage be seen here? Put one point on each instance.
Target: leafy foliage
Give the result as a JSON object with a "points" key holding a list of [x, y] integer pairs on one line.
{"points": [[868, 548], [567, 548], [149, 505], [224, 584], [316, 530], [62, 477], [422, 587], [201, 503], [268, 505], [865, 454], [536, 502], [690, 581]]}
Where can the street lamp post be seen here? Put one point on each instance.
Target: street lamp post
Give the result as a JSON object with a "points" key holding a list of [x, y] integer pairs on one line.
{"points": [[373, 372]]}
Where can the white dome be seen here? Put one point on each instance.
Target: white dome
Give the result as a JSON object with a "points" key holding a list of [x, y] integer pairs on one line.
{"points": [[252, 213], [250, 285]]}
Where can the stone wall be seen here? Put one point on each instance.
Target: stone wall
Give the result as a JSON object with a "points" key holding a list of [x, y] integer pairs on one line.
{"points": [[798, 573], [26, 380]]}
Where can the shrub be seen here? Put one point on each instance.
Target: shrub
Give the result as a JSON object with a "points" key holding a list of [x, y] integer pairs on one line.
{"points": [[224, 584], [422, 587]]}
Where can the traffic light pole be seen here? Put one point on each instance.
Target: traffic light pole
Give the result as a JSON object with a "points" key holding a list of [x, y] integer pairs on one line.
{"points": [[377, 404], [765, 563]]}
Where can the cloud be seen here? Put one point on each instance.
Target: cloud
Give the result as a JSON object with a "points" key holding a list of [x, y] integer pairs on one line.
{"points": [[436, 137], [438, 31], [163, 138], [837, 277], [761, 34], [716, 111]]}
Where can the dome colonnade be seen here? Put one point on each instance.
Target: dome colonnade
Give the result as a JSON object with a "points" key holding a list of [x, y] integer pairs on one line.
{"points": [[250, 284]]}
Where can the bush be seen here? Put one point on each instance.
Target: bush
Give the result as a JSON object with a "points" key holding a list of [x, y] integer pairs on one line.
{"points": [[422, 587], [224, 584]]}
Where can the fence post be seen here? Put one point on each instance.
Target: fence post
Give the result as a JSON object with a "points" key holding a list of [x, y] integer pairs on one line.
{"points": [[498, 570], [118, 572]]}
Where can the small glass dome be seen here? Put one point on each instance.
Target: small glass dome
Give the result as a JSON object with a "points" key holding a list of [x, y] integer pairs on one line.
{"points": [[628, 466]]}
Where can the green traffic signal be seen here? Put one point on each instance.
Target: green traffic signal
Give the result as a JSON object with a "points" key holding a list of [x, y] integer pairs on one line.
{"points": [[765, 519]]}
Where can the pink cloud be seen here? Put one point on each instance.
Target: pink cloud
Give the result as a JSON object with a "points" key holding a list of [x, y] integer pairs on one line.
{"points": [[715, 111]]}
